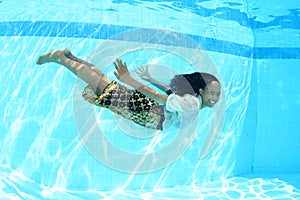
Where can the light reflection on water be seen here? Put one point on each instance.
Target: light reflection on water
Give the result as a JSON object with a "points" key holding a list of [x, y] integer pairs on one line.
{"points": [[40, 140], [15, 186], [41, 156]]}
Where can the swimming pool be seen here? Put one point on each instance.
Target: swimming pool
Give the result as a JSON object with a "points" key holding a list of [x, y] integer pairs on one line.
{"points": [[245, 148]]}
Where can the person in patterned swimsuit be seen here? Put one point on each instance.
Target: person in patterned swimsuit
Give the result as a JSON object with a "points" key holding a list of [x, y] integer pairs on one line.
{"points": [[180, 103]]}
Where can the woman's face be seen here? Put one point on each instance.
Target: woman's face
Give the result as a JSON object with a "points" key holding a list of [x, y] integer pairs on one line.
{"points": [[211, 94]]}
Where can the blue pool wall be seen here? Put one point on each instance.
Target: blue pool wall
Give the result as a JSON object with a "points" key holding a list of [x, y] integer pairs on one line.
{"points": [[274, 100], [277, 138], [268, 141]]}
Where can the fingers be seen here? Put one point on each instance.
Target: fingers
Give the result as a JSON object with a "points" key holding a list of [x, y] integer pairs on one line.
{"points": [[121, 68], [138, 71], [146, 67], [119, 64], [117, 75], [141, 69], [117, 67], [116, 64]]}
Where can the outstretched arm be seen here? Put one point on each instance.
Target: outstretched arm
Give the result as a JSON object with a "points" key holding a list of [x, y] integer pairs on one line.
{"points": [[144, 74], [123, 75]]}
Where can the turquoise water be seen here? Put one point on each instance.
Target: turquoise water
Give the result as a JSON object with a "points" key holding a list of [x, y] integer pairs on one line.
{"points": [[54, 145]]}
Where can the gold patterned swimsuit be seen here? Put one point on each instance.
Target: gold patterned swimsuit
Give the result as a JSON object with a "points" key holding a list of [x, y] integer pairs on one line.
{"points": [[130, 104]]}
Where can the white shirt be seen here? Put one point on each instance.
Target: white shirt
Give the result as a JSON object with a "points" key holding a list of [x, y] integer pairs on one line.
{"points": [[181, 110]]}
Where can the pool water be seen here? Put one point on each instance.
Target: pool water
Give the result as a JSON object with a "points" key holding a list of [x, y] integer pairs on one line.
{"points": [[55, 145]]}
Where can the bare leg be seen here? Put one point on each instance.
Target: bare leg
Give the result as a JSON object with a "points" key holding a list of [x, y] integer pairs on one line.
{"points": [[86, 71], [68, 54]]}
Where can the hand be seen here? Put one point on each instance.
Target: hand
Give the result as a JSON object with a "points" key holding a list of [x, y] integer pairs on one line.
{"points": [[143, 73], [122, 72]]}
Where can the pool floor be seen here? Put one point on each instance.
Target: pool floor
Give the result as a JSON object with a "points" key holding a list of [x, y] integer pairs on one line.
{"points": [[252, 186]]}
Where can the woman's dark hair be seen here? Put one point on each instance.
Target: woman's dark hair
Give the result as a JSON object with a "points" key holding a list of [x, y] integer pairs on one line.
{"points": [[191, 83]]}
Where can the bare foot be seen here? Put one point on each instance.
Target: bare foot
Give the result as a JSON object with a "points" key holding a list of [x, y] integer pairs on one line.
{"points": [[54, 56]]}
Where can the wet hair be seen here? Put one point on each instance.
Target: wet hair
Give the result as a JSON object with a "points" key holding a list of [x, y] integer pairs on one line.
{"points": [[191, 83]]}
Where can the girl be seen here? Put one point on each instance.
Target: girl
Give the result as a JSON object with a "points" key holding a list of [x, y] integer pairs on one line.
{"points": [[186, 95]]}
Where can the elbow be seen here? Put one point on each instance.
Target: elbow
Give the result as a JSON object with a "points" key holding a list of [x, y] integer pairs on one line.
{"points": [[164, 100]]}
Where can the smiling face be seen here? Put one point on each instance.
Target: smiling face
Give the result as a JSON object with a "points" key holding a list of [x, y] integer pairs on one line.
{"points": [[211, 94]]}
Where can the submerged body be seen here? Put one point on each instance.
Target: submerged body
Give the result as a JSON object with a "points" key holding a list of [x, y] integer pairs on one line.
{"points": [[144, 111], [181, 104]]}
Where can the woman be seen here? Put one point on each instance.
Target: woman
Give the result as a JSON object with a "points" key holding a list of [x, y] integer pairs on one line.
{"points": [[186, 95]]}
